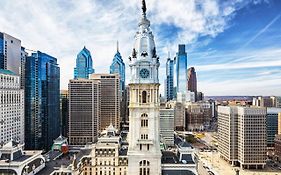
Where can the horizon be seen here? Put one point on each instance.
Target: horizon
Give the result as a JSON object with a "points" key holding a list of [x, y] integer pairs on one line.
{"points": [[235, 47]]}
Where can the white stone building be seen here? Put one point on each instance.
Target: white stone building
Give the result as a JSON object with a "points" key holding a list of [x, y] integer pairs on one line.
{"points": [[166, 126], [242, 135], [11, 108]]}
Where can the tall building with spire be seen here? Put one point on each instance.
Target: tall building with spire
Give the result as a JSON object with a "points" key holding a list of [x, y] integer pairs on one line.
{"points": [[144, 155], [84, 64], [118, 67]]}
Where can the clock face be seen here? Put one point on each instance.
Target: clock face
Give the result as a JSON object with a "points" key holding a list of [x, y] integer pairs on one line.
{"points": [[144, 73]]}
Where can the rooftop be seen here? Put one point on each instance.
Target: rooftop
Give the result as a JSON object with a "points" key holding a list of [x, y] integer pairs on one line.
{"points": [[6, 72]]}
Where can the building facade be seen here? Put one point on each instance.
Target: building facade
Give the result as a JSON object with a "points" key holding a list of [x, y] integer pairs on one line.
{"points": [[242, 135], [10, 53], [192, 81], [272, 124], [84, 64], [64, 102], [42, 101], [166, 128], [198, 116], [169, 81], [11, 108], [144, 155], [181, 70], [118, 67], [109, 100], [84, 111]]}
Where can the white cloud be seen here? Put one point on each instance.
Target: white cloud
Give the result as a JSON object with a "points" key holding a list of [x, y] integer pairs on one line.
{"points": [[62, 28]]}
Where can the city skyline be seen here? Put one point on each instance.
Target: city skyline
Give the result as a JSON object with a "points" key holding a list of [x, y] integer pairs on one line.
{"points": [[230, 49]]}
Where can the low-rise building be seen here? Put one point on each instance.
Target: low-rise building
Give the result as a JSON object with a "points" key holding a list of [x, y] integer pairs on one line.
{"points": [[15, 160]]}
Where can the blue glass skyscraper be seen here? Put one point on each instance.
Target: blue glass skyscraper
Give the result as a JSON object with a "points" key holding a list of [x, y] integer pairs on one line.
{"points": [[181, 70], [42, 101], [84, 64], [118, 67], [169, 81]]}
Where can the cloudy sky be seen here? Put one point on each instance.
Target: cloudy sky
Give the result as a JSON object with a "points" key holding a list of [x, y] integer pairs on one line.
{"points": [[234, 45]]}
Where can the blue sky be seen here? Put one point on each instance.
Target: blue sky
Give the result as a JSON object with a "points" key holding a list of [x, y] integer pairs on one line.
{"points": [[234, 45]]}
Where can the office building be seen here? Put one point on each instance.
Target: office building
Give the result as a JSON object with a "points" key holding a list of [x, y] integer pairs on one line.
{"points": [[242, 135], [42, 101], [84, 64], [118, 67], [10, 53], [169, 81], [181, 70], [263, 101], [22, 69], [11, 108], [84, 111], [64, 112], [192, 81], [272, 124], [110, 99], [277, 148], [198, 116], [166, 126]]}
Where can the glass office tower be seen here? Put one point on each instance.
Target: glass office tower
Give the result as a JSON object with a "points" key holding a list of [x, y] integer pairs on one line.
{"points": [[181, 70], [84, 64], [118, 67], [169, 81], [42, 101]]}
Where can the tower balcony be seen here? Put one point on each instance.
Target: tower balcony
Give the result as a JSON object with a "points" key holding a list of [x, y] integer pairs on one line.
{"points": [[145, 141]]}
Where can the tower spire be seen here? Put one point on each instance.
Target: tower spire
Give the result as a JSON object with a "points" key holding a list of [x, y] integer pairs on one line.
{"points": [[117, 46], [144, 8]]}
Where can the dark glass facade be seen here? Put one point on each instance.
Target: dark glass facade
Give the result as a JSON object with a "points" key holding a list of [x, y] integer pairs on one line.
{"points": [[271, 127], [42, 101], [169, 82], [2, 66]]}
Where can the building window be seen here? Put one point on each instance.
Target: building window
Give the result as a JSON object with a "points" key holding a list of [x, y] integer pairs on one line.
{"points": [[144, 94], [144, 120], [144, 167]]}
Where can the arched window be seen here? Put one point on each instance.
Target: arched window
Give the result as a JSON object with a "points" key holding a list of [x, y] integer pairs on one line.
{"points": [[144, 167], [144, 94], [144, 120]]}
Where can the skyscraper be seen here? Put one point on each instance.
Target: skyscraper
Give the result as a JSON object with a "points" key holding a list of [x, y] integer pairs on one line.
{"points": [[192, 81], [110, 99], [84, 111], [242, 135], [22, 69], [64, 112], [169, 81], [181, 70], [42, 101], [10, 53], [144, 155], [118, 67], [84, 64], [11, 108]]}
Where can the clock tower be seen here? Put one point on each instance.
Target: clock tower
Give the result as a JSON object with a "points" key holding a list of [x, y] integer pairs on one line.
{"points": [[144, 155]]}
